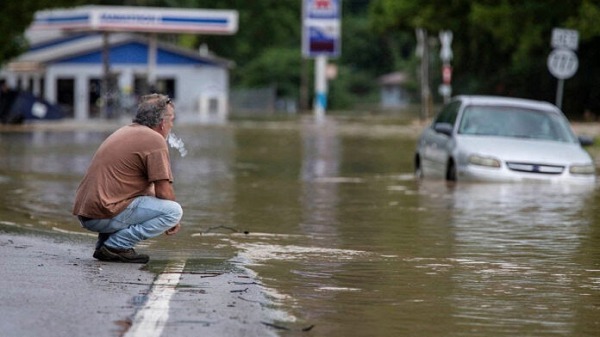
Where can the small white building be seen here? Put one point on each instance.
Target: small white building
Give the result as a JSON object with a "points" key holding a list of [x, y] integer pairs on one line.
{"points": [[67, 66], [393, 92]]}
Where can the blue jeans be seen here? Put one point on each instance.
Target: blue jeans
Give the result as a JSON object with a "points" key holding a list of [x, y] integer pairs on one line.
{"points": [[145, 218]]}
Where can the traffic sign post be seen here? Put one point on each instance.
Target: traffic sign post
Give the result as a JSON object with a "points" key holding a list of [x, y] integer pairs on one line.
{"points": [[565, 38], [321, 32], [446, 55], [562, 61]]}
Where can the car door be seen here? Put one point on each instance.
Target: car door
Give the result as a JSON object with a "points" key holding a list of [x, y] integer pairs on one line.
{"points": [[436, 141]]}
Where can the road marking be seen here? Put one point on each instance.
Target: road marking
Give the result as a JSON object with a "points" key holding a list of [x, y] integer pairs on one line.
{"points": [[151, 319]]}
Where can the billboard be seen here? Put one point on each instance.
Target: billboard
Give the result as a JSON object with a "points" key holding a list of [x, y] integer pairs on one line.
{"points": [[321, 28]]}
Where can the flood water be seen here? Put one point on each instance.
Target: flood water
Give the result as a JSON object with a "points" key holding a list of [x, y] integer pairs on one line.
{"points": [[341, 235]]}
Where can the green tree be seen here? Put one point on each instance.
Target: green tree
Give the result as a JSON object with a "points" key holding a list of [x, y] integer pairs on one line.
{"points": [[15, 17], [263, 24], [501, 47], [365, 56], [266, 49], [274, 67]]}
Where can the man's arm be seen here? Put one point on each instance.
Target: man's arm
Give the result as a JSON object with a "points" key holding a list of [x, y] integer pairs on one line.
{"points": [[164, 190]]}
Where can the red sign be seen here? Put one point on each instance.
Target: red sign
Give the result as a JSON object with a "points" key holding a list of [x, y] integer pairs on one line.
{"points": [[322, 4], [447, 74]]}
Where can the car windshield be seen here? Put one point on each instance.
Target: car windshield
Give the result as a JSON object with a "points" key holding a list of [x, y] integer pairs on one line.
{"points": [[516, 123]]}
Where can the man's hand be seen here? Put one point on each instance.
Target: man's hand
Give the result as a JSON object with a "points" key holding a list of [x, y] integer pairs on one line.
{"points": [[173, 230]]}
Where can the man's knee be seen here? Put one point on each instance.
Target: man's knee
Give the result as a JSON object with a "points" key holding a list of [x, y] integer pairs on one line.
{"points": [[175, 212]]}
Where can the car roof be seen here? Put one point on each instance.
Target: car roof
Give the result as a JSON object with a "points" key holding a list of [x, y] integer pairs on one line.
{"points": [[501, 100]]}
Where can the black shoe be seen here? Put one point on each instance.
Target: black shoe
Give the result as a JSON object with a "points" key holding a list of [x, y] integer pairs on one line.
{"points": [[105, 253]]}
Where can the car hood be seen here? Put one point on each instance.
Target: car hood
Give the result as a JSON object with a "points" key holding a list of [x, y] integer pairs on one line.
{"points": [[523, 150]]}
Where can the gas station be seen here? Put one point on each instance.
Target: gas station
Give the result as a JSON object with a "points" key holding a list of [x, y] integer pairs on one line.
{"points": [[91, 59]]}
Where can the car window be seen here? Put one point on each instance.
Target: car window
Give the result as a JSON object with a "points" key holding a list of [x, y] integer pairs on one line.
{"points": [[516, 123], [448, 113]]}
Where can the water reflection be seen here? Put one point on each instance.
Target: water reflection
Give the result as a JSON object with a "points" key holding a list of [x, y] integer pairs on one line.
{"points": [[331, 219], [320, 164], [205, 187], [42, 169], [514, 263]]}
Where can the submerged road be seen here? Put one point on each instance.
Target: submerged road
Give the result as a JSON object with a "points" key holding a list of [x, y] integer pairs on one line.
{"points": [[53, 287]]}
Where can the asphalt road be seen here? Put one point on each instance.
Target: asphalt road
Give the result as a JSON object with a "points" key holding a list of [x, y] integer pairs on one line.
{"points": [[51, 286]]}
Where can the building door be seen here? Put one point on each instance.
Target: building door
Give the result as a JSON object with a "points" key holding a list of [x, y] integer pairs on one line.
{"points": [[94, 95], [65, 96]]}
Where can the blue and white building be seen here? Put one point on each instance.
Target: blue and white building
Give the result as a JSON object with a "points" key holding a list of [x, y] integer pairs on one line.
{"points": [[67, 66]]}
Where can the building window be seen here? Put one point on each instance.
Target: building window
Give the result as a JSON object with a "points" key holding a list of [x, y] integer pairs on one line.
{"points": [[164, 86]]}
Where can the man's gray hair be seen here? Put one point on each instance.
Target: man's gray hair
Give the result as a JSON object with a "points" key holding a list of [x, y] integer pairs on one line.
{"points": [[151, 109]]}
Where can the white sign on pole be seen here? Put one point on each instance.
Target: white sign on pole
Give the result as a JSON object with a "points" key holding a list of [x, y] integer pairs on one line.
{"points": [[562, 63], [565, 39], [321, 38], [446, 41]]}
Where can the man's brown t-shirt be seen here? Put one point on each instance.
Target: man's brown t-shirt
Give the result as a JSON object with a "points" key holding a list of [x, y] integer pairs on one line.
{"points": [[124, 167]]}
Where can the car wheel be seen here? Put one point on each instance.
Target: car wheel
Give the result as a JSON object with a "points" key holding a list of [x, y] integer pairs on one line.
{"points": [[451, 171], [418, 169]]}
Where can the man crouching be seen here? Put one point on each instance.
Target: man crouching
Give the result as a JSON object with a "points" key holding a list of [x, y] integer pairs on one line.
{"points": [[127, 195]]}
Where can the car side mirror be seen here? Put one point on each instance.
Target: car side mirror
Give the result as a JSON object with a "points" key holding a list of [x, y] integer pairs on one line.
{"points": [[444, 128], [586, 140]]}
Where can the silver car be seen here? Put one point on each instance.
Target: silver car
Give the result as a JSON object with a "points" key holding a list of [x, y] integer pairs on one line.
{"points": [[487, 138]]}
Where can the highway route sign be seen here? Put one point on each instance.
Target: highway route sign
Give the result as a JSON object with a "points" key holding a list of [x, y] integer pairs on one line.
{"points": [[563, 63]]}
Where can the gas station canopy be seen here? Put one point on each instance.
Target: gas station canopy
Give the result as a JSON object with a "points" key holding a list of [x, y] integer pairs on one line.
{"points": [[138, 19]]}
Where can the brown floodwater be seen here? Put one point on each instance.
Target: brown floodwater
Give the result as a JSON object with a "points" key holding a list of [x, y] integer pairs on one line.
{"points": [[332, 223]]}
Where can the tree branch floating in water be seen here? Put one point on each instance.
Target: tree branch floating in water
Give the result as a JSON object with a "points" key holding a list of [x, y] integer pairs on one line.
{"points": [[235, 230], [281, 327]]}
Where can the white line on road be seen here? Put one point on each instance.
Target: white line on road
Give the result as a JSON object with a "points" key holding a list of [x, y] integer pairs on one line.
{"points": [[150, 320]]}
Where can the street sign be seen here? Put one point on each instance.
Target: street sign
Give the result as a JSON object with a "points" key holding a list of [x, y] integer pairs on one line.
{"points": [[445, 90], [447, 74], [321, 28], [562, 63], [446, 56], [446, 42], [323, 38], [565, 38], [322, 9]]}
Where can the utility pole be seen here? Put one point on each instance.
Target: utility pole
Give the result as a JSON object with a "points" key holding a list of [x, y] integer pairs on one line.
{"points": [[423, 53], [303, 105]]}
